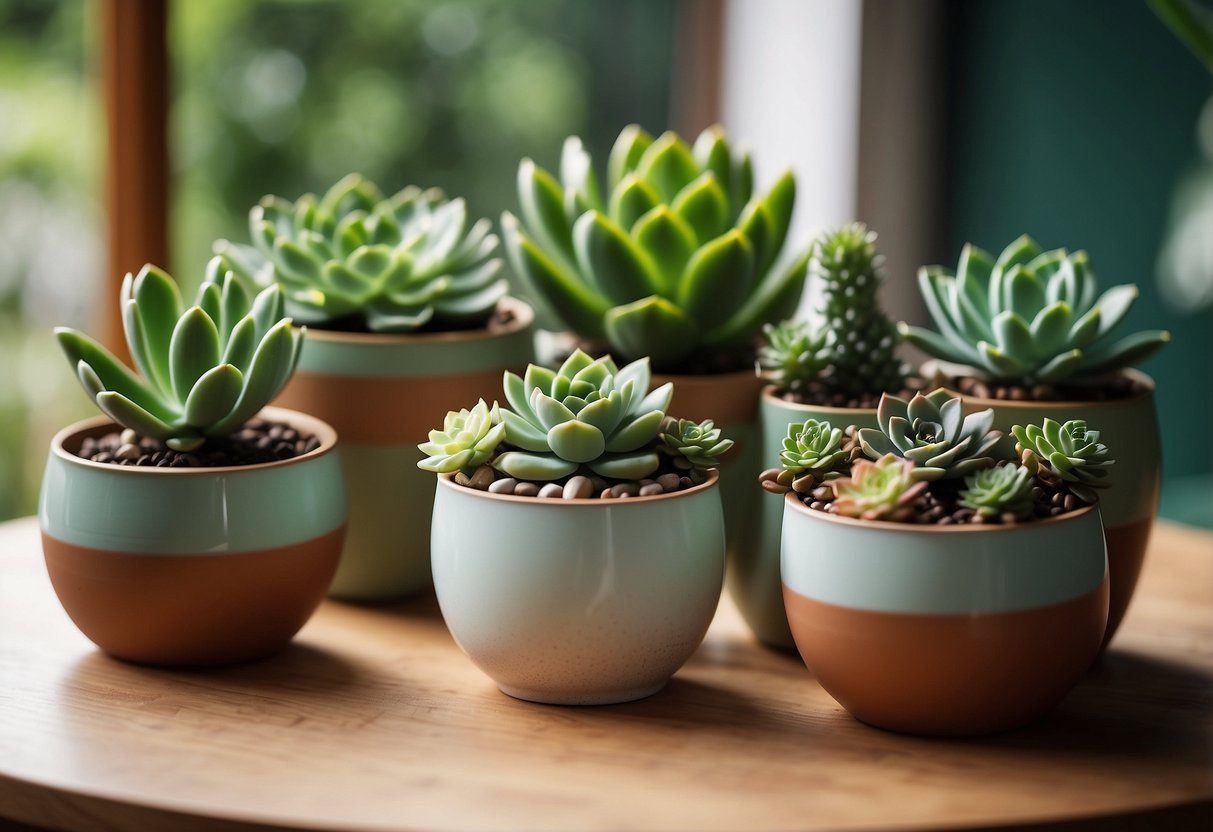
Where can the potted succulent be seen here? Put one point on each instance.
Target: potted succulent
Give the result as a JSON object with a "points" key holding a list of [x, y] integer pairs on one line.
{"points": [[190, 526], [407, 311], [1027, 335], [835, 371], [578, 542], [674, 257], [934, 582]]}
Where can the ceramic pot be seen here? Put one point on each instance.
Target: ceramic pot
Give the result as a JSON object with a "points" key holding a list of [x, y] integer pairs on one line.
{"points": [[384, 393], [578, 602], [945, 630], [191, 566], [753, 577], [1129, 427]]}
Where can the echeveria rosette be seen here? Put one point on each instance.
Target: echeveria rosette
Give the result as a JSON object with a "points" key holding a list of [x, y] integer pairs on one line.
{"points": [[812, 446], [692, 444], [205, 370], [674, 257], [356, 258], [794, 354], [935, 433], [467, 440], [1004, 489], [1071, 450], [1030, 316], [882, 490], [863, 344], [587, 413]]}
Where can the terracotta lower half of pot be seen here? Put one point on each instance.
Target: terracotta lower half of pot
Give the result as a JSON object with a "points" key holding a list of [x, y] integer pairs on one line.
{"points": [[948, 674], [192, 610]]}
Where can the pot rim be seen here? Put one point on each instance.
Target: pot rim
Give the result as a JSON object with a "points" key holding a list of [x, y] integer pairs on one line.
{"points": [[448, 481], [768, 393], [1012, 404], [791, 499], [524, 316], [103, 424]]}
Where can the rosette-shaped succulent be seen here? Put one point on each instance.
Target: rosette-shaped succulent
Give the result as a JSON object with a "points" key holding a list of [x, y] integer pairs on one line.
{"points": [[586, 413], [933, 432], [467, 440], [864, 340], [881, 490], [205, 370], [1073, 452], [675, 256], [1029, 316], [795, 353], [693, 444], [355, 259], [812, 446], [1004, 489]]}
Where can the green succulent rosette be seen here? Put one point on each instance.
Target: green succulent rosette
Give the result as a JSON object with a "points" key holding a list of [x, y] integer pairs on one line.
{"points": [[882, 490], [812, 446], [794, 353], [1071, 450], [1004, 489], [1031, 316], [357, 259], [467, 440], [672, 256], [693, 444], [204, 370], [934, 433]]}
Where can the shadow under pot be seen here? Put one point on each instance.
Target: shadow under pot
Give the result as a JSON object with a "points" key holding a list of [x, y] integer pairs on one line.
{"points": [[1129, 503], [945, 630], [192, 566], [578, 602], [383, 392]]}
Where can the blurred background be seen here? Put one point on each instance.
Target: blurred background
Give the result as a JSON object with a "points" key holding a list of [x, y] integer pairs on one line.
{"points": [[935, 121]]}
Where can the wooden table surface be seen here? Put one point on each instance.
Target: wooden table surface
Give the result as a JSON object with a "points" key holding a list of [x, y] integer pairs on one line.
{"points": [[374, 720]]}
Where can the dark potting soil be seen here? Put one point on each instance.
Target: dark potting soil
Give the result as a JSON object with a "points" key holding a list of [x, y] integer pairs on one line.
{"points": [[819, 394], [715, 362], [1120, 387], [259, 441], [499, 320]]}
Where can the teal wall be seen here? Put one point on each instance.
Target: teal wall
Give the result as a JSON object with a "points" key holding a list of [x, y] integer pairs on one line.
{"points": [[1073, 121]]}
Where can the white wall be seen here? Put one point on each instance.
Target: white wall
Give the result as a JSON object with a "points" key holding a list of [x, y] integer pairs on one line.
{"points": [[790, 89]]}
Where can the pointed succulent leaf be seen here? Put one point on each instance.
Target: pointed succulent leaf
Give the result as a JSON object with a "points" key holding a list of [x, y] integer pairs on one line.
{"points": [[625, 155], [631, 200], [542, 205], [667, 165], [669, 242], [711, 152], [193, 350], [214, 395], [127, 413], [704, 206], [1127, 351], [577, 172], [717, 280], [110, 373], [612, 262], [652, 326]]}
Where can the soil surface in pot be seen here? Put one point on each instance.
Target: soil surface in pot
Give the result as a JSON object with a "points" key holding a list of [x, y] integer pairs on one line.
{"points": [[501, 319], [666, 479], [258, 442], [1119, 387], [822, 394]]}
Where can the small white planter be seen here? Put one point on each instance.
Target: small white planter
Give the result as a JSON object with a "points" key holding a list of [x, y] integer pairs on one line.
{"points": [[578, 602]]}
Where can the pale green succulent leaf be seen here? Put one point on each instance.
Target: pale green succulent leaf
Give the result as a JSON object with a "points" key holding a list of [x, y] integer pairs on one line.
{"points": [[997, 362], [626, 153], [532, 466], [1014, 337], [1049, 330], [704, 206], [271, 367], [550, 412], [1113, 305], [577, 172], [576, 441], [1085, 329], [717, 280], [757, 225], [238, 351], [604, 414], [516, 393], [667, 165], [636, 433], [131, 415], [631, 200], [631, 466], [775, 299], [235, 305], [1023, 294], [214, 395], [159, 306], [110, 373], [743, 178], [1127, 351], [477, 304], [385, 315], [370, 262], [193, 350], [934, 344], [658, 399], [210, 301], [542, 205]]}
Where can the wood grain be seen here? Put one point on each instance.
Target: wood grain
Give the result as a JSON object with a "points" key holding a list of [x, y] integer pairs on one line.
{"points": [[374, 720]]}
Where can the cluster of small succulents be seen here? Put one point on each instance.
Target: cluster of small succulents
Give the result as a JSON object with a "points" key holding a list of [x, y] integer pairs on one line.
{"points": [[675, 259], [354, 259], [930, 462], [850, 358], [205, 370], [587, 429], [1031, 318]]}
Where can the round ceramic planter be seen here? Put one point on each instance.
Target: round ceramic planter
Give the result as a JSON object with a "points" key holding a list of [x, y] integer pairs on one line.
{"points": [[578, 602], [1129, 427], [191, 566], [753, 577], [940, 630], [384, 393]]}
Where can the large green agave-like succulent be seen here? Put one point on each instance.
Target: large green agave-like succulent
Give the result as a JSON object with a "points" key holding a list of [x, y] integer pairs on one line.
{"points": [[205, 370], [933, 432], [586, 413], [675, 256], [1029, 316], [354, 257]]}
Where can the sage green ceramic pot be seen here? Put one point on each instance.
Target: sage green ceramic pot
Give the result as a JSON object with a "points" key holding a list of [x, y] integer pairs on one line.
{"points": [[945, 630], [384, 393], [753, 577], [192, 566], [1129, 427], [578, 602]]}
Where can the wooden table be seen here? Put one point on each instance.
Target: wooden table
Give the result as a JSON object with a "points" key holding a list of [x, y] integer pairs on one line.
{"points": [[374, 720]]}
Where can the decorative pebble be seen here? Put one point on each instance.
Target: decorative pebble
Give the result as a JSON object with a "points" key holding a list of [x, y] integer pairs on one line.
{"points": [[482, 478], [526, 489], [128, 451], [698, 477], [578, 488], [628, 489], [651, 490], [605, 494], [550, 490], [822, 492], [462, 478], [599, 484], [685, 482], [668, 482], [505, 485], [129, 437]]}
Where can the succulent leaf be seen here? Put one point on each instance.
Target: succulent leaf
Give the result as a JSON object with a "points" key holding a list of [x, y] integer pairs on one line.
{"points": [[1004, 489], [1072, 450], [814, 447], [693, 444], [934, 432], [882, 490]]}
